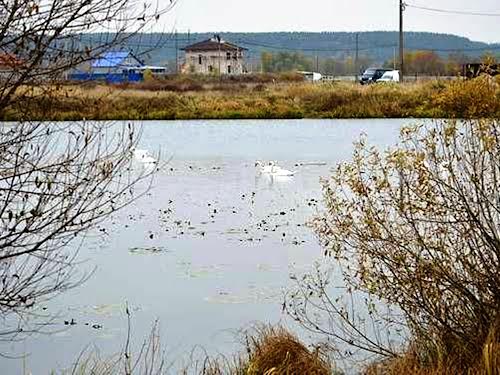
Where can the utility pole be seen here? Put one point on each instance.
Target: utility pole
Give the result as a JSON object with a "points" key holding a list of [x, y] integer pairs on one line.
{"points": [[401, 40], [176, 53], [219, 57], [356, 56]]}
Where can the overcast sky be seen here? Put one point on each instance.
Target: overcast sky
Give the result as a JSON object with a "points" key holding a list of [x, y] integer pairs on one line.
{"points": [[336, 15]]}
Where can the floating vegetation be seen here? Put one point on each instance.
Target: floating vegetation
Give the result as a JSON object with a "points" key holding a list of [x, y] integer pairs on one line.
{"points": [[262, 267], [108, 309], [310, 163], [148, 250], [253, 295], [187, 270]]}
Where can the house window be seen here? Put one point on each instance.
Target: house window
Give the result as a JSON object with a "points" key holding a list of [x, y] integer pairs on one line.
{"points": [[210, 68], [228, 56], [200, 59], [229, 69]]}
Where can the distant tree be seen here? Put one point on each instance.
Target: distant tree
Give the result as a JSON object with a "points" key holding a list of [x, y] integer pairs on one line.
{"points": [[284, 62], [458, 58], [266, 59], [364, 62], [424, 62], [330, 66], [343, 65], [489, 58], [454, 63], [349, 65]]}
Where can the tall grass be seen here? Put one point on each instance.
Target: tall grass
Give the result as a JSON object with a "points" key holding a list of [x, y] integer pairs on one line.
{"points": [[268, 351], [146, 359], [188, 98]]}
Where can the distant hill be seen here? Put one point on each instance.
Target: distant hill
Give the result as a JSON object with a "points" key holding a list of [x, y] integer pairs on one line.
{"points": [[378, 45]]}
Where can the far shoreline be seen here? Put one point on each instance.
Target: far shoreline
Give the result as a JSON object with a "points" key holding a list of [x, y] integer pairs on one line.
{"points": [[190, 100]]}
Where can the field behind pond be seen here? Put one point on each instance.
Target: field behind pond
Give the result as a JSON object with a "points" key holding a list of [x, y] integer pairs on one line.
{"points": [[186, 98]]}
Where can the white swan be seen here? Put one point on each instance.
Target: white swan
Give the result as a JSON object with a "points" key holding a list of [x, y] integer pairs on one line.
{"points": [[278, 171], [143, 156], [274, 170], [265, 168]]}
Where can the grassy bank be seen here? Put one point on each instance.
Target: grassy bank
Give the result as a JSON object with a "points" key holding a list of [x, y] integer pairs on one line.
{"points": [[265, 350], [259, 99], [268, 350]]}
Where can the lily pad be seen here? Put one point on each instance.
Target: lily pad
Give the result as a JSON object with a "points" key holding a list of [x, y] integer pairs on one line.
{"points": [[196, 272], [253, 295], [108, 309], [148, 250]]}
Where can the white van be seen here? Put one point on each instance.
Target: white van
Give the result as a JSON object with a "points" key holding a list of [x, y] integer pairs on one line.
{"points": [[311, 76], [390, 76]]}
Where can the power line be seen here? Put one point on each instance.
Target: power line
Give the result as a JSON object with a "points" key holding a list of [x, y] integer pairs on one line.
{"points": [[490, 48], [366, 48], [402, 7], [302, 49], [466, 13]]}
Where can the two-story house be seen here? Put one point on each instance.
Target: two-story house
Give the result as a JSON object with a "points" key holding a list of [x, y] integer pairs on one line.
{"points": [[214, 56]]}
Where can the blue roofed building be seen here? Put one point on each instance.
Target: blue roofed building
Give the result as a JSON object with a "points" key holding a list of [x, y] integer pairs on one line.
{"points": [[115, 62], [115, 67]]}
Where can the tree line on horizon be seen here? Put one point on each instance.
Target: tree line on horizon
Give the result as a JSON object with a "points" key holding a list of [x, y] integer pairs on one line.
{"points": [[378, 46], [416, 63]]}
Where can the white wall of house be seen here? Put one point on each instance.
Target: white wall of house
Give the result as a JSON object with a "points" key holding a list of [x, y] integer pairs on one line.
{"points": [[210, 62]]}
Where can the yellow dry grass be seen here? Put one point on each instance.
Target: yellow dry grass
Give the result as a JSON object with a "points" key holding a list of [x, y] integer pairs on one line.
{"points": [[436, 99]]}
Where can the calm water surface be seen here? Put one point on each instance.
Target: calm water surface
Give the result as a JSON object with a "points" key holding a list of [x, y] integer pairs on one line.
{"points": [[210, 248]]}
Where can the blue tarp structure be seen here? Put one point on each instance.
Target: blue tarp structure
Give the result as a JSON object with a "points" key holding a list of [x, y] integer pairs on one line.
{"points": [[110, 60], [112, 67], [107, 77]]}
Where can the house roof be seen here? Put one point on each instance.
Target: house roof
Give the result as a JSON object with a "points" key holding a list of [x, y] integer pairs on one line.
{"points": [[114, 59], [213, 44], [9, 61]]}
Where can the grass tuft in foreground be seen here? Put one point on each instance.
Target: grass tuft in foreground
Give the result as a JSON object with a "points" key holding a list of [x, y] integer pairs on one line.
{"points": [[269, 351]]}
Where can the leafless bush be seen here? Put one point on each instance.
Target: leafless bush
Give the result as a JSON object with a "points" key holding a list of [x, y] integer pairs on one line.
{"points": [[41, 40], [57, 180]]}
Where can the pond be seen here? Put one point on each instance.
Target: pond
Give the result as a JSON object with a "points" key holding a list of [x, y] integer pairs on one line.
{"points": [[211, 247]]}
